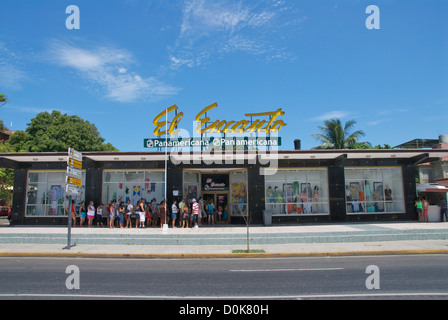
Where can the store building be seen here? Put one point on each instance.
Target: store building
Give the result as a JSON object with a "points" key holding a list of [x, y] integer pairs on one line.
{"points": [[432, 177], [296, 186]]}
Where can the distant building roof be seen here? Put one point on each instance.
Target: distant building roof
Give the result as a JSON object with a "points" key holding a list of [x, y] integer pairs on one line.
{"points": [[418, 144]]}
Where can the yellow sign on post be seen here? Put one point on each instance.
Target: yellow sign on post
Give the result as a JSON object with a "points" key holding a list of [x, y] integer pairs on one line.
{"points": [[74, 163], [74, 181]]}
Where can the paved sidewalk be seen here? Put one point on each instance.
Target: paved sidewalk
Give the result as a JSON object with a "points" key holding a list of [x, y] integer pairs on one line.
{"points": [[220, 241]]}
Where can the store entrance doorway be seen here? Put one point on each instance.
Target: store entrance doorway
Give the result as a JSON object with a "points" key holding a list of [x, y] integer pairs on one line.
{"points": [[220, 199]]}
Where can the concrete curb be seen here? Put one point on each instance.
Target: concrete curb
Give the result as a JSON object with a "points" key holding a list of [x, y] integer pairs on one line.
{"points": [[217, 255]]}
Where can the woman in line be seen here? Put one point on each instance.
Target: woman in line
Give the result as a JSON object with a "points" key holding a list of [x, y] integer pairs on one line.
{"points": [[82, 213], [419, 207], [141, 209], [210, 212], [174, 211], [425, 209], [99, 216], [90, 214], [111, 215], [72, 210], [121, 213], [162, 211]]}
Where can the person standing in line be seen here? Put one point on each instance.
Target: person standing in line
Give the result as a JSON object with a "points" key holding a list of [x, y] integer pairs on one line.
{"points": [[129, 209], [443, 208], [181, 212], [185, 217], [90, 214], [111, 214], [225, 216], [99, 215], [419, 207], [148, 214], [202, 214], [121, 213], [174, 212], [219, 215], [162, 211], [195, 213], [210, 212], [425, 209], [105, 214], [141, 212], [82, 213], [72, 210]]}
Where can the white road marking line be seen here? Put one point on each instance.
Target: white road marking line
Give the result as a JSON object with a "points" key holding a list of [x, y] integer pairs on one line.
{"points": [[284, 270]]}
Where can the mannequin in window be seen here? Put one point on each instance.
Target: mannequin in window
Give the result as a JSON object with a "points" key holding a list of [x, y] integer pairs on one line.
{"points": [[348, 194], [367, 191], [316, 199], [388, 193], [355, 205], [270, 196], [304, 200]]}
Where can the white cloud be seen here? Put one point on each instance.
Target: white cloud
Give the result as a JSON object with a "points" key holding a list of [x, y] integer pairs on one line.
{"points": [[332, 115], [11, 75], [213, 28], [108, 68]]}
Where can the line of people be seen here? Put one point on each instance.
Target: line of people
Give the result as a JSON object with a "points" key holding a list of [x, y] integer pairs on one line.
{"points": [[148, 214]]}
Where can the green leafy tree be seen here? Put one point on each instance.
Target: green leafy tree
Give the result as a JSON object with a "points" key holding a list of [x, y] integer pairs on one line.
{"points": [[3, 100], [336, 136], [366, 145], [6, 178], [56, 132]]}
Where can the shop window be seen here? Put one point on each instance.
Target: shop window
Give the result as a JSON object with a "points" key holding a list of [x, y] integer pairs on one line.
{"points": [[374, 190], [297, 192], [192, 185], [238, 199], [45, 195], [133, 185]]}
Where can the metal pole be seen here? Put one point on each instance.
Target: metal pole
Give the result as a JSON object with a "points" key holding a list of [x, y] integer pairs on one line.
{"points": [[166, 164], [69, 235]]}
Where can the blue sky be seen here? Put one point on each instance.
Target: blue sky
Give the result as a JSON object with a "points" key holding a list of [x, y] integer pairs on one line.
{"points": [[316, 60]]}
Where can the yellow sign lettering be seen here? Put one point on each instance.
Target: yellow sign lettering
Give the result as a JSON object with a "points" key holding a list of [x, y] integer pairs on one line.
{"points": [[222, 126], [161, 124]]}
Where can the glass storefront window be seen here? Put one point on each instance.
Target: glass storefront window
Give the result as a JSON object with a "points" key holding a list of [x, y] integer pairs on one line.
{"points": [[45, 195], [374, 190], [133, 185], [297, 192], [238, 199], [192, 184]]}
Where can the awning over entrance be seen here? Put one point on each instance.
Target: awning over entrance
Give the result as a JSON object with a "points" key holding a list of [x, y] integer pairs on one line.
{"points": [[428, 187], [15, 160]]}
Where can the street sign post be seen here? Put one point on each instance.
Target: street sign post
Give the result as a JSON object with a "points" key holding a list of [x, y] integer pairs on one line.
{"points": [[73, 181], [72, 162], [73, 186]]}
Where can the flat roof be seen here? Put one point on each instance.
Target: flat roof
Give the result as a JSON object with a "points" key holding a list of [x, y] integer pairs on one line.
{"points": [[418, 144], [422, 155]]}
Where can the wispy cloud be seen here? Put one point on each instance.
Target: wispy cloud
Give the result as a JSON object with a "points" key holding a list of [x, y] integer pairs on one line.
{"points": [[332, 115], [377, 122], [108, 68], [221, 27], [11, 75]]}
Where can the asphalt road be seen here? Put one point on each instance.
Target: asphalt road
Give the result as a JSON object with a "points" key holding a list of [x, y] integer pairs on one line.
{"points": [[396, 277]]}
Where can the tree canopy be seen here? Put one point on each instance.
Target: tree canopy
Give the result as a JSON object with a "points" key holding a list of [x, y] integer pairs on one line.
{"points": [[335, 136], [3, 100], [56, 132]]}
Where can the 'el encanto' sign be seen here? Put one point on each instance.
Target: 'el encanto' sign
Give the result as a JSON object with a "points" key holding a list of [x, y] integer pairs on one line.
{"points": [[274, 124]]}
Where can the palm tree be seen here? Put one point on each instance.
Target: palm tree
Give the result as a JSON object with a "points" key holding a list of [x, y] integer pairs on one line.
{"points": [[334, 136]]}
